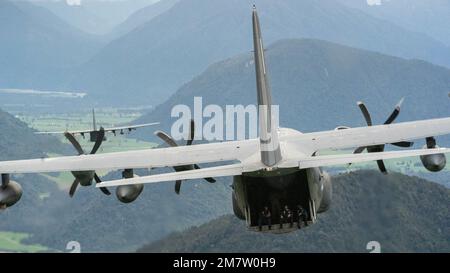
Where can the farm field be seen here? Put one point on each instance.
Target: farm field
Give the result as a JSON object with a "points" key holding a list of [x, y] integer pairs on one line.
{"points": [[12, 242]]}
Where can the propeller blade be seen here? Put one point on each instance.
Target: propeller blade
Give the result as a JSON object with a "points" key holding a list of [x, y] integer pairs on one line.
{"points": [[359, 150], [167, 139], [98, 140], [403, 144], [171, 142], [177, 186], [394, 113], [73, 188], [103, 189], [191, 133], [376, 148], [209, 179], [97, 179], [74, 142], [365, 112], [381, 166]]}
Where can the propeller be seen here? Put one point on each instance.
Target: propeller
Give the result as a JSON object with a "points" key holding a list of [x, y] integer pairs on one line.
{"points": [[171, 142], [380, 148], [82, 177]]}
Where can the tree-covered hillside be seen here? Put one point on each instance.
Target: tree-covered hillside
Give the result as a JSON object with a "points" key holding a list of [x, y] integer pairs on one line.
{"points": [[402, 213]]}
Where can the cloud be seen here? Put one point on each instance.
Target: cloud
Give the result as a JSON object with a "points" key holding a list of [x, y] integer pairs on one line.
{"points": [[73, 2]]}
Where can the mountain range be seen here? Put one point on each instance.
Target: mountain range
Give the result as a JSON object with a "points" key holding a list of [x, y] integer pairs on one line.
{"points": [[161, 46], [142, 16], [94, 16], [430, 17], [401, 213], [317, 84], [38, 49], [148, 64]]}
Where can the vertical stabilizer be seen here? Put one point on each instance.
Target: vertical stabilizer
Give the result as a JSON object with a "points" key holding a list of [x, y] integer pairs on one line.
{"points": [[268, 127]]}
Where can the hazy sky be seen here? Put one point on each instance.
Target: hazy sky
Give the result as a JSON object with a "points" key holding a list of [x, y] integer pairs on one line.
{"points": [[80, 2], [374, 2], [73, 2]]}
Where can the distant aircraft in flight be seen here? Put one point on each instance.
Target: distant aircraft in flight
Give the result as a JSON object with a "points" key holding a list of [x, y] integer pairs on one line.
{"points": [[94, 131], [275, 175]]}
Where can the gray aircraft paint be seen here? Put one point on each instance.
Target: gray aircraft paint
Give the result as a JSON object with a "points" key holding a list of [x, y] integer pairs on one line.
{"points": [[268, 134]]}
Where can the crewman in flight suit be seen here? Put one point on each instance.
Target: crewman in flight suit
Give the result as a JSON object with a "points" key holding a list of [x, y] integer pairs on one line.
{"points": [[265, 218], [301, 216], [286, 216]]}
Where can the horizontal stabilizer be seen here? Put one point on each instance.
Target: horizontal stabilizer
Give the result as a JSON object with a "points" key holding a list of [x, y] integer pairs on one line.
{"points": [[330, 160], [227, 170]]}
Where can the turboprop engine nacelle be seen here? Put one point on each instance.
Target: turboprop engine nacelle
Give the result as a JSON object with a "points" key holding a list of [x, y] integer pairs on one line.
{"points": [[10, 192], [435, 162], [128, 193]]}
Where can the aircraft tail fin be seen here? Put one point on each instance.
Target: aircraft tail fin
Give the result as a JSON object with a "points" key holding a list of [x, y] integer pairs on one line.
{"points": [[268, 119]]}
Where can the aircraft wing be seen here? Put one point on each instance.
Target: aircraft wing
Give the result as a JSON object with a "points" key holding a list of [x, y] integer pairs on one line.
{"points": [[147, 158], [63, 132], [131, 127], [370, 135]]}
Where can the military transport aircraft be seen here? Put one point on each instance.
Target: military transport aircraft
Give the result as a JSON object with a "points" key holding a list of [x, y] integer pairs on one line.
{"points": [[280, 168], [94, 131]]}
